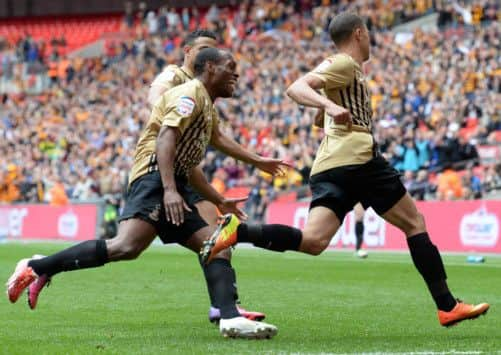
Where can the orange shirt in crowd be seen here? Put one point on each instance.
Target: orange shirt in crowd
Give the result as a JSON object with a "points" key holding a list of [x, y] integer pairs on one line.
{"points": [[9, 192], [449, 183], [52, 72], [218, 181], [62, 67], [218, 185], [58, 195]]}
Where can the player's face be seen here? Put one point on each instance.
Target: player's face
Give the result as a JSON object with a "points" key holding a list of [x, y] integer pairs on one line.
{"points": [[226, 77], [365, 43], [199, 44]]}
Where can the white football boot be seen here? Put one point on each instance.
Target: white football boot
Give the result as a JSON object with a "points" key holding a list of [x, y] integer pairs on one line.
{"points": [[241, 327], [362, 254]]}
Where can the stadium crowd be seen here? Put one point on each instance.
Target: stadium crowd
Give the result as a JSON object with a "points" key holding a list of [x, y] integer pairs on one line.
{"points": [[435, 95]]}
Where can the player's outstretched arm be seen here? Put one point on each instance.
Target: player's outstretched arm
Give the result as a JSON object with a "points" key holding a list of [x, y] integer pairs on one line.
{"points": [[225, 205], [228, 146], [166, 153]]}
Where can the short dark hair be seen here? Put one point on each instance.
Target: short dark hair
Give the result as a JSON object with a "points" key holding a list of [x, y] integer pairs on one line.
{"points": [[213, 55], [190, 38], [343, 25]]}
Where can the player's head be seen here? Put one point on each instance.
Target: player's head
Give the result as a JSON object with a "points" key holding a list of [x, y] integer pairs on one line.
{"points": [[219, 70], [348, 29], [195, 42]]}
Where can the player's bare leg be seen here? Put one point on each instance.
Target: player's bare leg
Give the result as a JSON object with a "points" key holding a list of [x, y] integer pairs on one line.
{"points": [[321, 226], [208, 211], [428, 261], [133, 237], [220, 278]]}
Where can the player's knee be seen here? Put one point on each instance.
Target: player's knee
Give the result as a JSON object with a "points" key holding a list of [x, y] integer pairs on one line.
{"points": [[415, 225], [318, 247], [419, 223], [314, 246], [128, 251], [224, 254]]}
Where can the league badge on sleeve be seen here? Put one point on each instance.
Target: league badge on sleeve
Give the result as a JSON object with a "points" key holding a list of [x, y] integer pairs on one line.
{"points": [[185, 106]]}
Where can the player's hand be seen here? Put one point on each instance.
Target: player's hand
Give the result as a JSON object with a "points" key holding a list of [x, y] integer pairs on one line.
{"points": [[275, 167], [229, 205], [340, 115], [174, 207]]}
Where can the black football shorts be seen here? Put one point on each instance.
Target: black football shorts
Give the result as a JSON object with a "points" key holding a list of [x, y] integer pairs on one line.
{"points": [[145, 201], [375, 184]]}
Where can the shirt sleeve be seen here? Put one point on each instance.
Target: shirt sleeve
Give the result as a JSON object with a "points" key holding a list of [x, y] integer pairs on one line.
{"points": [[167, 79], [180, 110], [215, 118], [335, 72]]}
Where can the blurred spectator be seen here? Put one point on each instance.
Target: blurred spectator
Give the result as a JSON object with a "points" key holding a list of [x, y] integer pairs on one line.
{"points": [[162, 20], [260, 197], [445, 13], [420, 187], [435, 97], [129, 14], [218, 180], [410, 156], [492, 178], [173, 19], [110, 217], [422, 143], [472, 184], [56, 195], [213, 14], [185, 18], [152, 22], [141, 12], [449, 185], [9, 184]]}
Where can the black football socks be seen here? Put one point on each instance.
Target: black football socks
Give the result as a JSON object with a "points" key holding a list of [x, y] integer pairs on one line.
{"points": [[359, 233], [427, 260], [89, 254], [211, 291], [209, 286], [276, 237], [220, 278]]}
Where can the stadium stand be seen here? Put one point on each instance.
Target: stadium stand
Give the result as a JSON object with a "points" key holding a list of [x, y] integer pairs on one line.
{"points": [[50, 34], [75, 121]]}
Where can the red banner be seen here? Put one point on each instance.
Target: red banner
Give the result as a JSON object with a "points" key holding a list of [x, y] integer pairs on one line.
{"points": [[457, 226], [75, 222]]}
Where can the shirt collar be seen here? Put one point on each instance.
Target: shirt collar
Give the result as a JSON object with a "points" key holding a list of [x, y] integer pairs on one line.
{"points": [[187, 71], [204, 89]]}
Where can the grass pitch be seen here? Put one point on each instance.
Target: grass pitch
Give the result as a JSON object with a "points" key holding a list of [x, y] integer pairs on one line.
{"points": [[333, 303]]}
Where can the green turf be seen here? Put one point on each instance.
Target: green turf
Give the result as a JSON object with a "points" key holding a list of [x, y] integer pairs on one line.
{"points": [[333, 303]]}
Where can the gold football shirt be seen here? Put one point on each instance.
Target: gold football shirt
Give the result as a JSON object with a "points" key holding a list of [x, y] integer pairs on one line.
{"points": [[345, 85], [189, 108], [172, 76]]}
